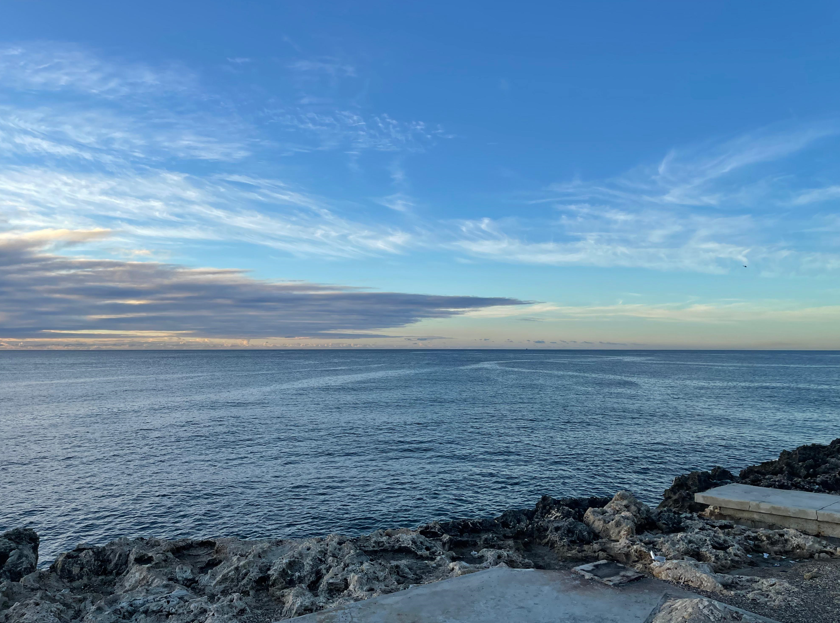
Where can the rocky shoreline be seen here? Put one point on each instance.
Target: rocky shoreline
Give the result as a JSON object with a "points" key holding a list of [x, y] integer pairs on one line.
{"points": [[218, 580]]}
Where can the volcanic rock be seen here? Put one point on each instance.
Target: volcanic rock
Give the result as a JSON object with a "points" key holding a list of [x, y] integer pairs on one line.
{"points": [[18, 553]]}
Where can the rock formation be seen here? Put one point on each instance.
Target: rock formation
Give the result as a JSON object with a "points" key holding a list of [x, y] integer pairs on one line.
{"points": [[807, 468], [699, 611], [219, 580], [18, 553], [812, 467]]}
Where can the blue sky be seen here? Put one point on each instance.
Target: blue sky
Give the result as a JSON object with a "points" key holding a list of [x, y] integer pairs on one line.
{"points": [[444, 174]]}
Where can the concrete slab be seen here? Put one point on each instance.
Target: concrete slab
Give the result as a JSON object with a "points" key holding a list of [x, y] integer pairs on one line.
{"points": [[812, 513], [505, 595], [830, 514], [792, 503], [731, 496]]}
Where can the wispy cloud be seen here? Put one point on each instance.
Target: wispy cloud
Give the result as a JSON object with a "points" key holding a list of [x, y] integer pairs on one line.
{"points": [[715, 313], [817, 195], [94, 155], [398, 201], [593, 237], [50, 66], [721, 173], [171, 206], [330, 66], [105, 136], [709, 208], [44, 293], [351, 131]]}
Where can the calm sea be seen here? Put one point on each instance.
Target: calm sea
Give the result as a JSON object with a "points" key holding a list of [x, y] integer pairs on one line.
{"points": [[97, 445]]}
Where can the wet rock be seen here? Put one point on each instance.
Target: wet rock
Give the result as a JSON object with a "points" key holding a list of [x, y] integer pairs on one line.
{"points": [[18, 553], [620, 518], [680, 495], [807, 468]]}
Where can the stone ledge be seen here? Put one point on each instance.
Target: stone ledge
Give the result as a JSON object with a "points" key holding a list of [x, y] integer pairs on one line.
{"points": [[812, 513]]}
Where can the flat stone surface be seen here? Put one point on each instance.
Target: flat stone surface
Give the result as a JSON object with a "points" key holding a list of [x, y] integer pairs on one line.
{"points": [[502, 595], [830, 514], [731, 496], [608, 572], [798, 504]]}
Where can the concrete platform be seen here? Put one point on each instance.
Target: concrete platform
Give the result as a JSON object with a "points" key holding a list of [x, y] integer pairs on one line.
{"points": [[502, 595], [811, 513]]}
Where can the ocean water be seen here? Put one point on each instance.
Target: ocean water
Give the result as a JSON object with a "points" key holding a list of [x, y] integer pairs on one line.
{"points": [[98, 445]]}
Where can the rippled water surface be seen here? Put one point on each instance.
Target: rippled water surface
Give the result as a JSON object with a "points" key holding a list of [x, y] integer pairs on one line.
{"points": [[97, 445]]}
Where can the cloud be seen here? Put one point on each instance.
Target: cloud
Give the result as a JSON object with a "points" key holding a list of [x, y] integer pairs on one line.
{"points": [[110, 137], [727, 313], [330, 66], [708, 208], [524, 309], [171, 206], [349, 130], [47, 294], [107, 148], [817, 195], [400, 202], [598, 238], [48, 66], [711, 174]]}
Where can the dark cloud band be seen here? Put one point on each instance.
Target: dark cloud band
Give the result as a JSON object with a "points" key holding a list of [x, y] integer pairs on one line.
{"points": [[44, 294]]}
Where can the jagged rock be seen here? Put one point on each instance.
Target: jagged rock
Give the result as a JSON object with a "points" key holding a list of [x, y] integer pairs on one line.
{"points": [[221, 580], [620, 518], [723, 545], [689, 572], [770, 591], [18, 553], [699, 610], [680, 495], [788, 542], [667, 520], [807, 468], [510, 558], [562, 532]]}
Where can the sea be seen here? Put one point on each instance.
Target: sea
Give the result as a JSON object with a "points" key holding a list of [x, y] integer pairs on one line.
{"points": [[296, 443]]}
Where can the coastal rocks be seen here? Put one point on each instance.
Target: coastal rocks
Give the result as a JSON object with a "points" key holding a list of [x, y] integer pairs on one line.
{"points": [[186, 581], [700, 610], [680, 495], [226, 580], [618, 519], [688, 572], [791, 543], [18, 553], [553, 521], [807, 468], [769, 591]]}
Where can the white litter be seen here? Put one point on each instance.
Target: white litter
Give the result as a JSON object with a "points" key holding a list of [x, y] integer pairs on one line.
{"points": [[767, 555], [657, 558]]}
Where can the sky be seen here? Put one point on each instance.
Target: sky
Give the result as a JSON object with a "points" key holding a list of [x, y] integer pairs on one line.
{"points": [[419, 175]]}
